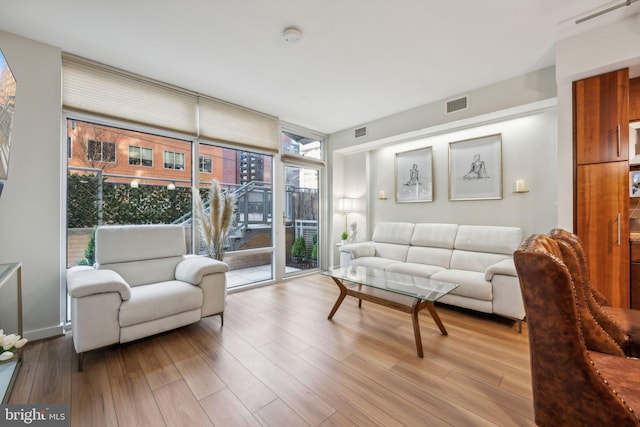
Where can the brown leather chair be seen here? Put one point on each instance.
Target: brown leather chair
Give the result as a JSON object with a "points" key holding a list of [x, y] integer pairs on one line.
{"points": [[623, 324], [571, 386]]}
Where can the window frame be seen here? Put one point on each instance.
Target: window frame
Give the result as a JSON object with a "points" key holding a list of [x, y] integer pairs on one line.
{"points": [[101, 159], [175, 154], [141, 157]]}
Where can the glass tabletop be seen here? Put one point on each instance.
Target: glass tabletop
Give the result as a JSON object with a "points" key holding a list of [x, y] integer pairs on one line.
{"points": [[403, 284]]}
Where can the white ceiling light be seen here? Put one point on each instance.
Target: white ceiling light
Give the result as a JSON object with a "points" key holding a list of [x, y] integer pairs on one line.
{"points": [[291, 35]]}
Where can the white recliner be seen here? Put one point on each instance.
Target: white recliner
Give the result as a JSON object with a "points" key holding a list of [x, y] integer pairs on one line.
{"points": [[143, 283]]}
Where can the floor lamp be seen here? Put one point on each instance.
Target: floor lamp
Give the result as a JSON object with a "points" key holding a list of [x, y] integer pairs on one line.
{"points": [[345, 205]]}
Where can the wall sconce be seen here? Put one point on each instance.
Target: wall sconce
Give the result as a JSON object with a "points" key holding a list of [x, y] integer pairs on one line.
{"points": [[381, 195], [171, 186], [134, 184], [345, 205], [520, 186]]}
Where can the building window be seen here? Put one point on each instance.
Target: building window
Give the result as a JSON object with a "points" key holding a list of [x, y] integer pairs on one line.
{"points": [[173, 160], [205, 164], [101, 151], [140, 156]]}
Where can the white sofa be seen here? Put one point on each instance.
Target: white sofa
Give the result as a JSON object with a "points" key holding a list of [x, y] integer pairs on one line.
{"points": [[143, 283], [477, 258]]}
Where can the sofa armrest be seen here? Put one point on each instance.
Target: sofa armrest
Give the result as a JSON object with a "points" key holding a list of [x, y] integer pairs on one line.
{"points": [[505, 267], [360, 249], [85, 281], [193, 268]]}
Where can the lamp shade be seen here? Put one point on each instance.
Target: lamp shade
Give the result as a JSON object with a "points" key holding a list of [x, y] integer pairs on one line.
{"points": [[345, 205]]}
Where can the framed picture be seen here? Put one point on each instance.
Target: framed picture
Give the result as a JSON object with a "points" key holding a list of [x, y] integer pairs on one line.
{"points": [[414, 175], [475, 168], [634, 183]]}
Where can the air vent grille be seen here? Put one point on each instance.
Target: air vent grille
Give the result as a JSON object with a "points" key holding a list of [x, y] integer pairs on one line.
{"points": [[360, 132], [457, 105]]}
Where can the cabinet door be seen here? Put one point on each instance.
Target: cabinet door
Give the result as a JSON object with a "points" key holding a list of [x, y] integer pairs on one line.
{"points": [[634, 99], [602, 223], [601, 118]]}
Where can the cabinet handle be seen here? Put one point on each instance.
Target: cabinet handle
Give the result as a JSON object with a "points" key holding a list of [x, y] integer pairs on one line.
{"points": [[619, 141], [618, 228]]}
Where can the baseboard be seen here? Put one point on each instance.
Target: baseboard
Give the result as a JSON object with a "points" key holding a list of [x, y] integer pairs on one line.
{"points": [[38, 334]]}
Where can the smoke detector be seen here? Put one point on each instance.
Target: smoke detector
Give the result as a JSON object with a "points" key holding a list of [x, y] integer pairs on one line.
{"points": [[291, 35]]}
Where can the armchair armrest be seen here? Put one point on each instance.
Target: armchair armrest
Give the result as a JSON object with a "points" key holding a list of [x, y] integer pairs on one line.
{"points": [[86, 281], [193, 268], [360, 249], [505, 267]]}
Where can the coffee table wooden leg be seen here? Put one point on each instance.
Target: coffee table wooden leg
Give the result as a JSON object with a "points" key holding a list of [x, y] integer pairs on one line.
{"points": [[343, 294], [415, 309], [432, 310]]}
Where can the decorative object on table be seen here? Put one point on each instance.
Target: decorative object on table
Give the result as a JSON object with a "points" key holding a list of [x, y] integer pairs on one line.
{"points": [[299, 250], [475, 168], [9, 344], [353, 235], [414, 175], [344, 236], [634, 184], [215, 220]]}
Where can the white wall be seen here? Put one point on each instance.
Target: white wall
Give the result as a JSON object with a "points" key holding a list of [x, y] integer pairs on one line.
{"points": [[30, 206], [603, 49], [528, 152]]}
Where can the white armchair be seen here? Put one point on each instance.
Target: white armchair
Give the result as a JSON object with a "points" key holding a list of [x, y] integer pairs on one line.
{"points": [[143, 283]]}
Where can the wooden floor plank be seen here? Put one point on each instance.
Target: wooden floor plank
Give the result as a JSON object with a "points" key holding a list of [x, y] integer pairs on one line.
{"points": [[179, 407], [134, 402], [279, 361], [225, 409]]}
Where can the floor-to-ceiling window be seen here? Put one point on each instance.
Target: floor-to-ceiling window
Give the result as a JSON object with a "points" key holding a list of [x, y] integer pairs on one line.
{"points": [[302, 215]]}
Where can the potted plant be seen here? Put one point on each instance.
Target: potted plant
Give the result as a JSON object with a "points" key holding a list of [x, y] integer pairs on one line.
{"points": [[344, 236], [314, 252], [299, 250]]}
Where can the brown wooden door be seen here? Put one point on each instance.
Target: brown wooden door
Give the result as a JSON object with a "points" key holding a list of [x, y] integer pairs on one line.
{"points": [[603, 226], [601, 118]]}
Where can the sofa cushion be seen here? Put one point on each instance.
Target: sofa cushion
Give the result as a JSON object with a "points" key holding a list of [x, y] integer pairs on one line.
{"points": [[393, 232], [138, 273], [414, 269], [150, 302], [434, 235], [493, 239], [471, 284], [475, 261], [373, 262], [125, 243], [430, 256], [391, 251]]}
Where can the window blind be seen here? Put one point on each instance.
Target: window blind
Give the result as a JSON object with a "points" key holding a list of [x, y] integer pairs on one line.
{"points": [[98, 89], [93, 88], [228, 122]]}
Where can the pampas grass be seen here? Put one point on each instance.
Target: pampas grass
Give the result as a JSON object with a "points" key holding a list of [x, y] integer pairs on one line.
{"points": [[214, 224]]}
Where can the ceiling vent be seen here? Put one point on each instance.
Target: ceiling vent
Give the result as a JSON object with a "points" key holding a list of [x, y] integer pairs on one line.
{"points": [[458, 104], [360, 132]]}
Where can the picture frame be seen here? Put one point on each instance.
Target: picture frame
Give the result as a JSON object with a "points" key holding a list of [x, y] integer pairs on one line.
{"points": [[414, 175], [634, 183], [475, 168]]}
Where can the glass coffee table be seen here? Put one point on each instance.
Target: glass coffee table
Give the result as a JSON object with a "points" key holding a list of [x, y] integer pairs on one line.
{"points": [[403, 292]]}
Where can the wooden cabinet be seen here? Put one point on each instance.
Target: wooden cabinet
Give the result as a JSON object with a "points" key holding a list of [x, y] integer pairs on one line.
{"points": [[635, 275], [601, 186], [601, 118], [634, 99], [603, 226]]}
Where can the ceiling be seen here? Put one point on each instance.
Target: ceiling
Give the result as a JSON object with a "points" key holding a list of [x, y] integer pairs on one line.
{"points": [[358, 60]]}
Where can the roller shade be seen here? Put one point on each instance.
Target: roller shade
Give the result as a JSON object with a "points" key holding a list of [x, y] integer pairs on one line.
{"points": [[228, 122], [98, 89], [90, 87]]}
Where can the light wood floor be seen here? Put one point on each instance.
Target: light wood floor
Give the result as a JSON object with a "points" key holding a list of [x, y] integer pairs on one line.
{"points": [[278, 361]]}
